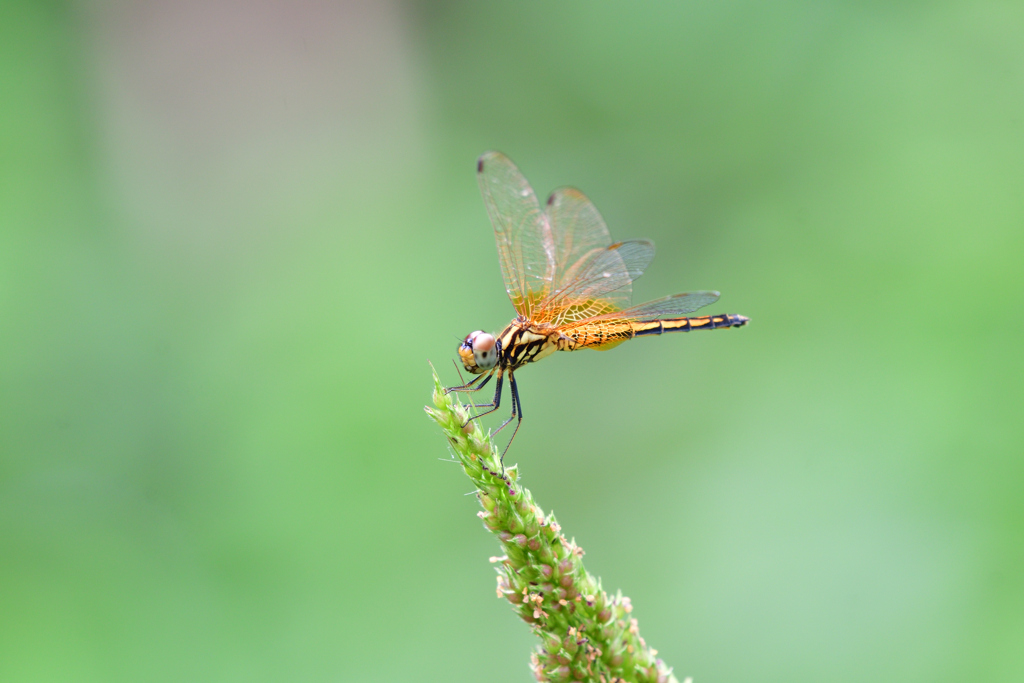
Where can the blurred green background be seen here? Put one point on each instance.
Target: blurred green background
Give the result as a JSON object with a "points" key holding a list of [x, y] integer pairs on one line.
{"points": [[233, 233]]}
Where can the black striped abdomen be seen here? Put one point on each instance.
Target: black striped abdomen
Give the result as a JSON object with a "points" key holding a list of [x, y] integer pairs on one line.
{"points": [[704, 322]]}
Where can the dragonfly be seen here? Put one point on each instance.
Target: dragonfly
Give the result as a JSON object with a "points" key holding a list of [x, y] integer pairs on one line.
{"points": [[570, 285]]}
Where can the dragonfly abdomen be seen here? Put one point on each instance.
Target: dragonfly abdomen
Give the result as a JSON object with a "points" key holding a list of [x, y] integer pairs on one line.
{"points": [[704, 322], [601, 335]]}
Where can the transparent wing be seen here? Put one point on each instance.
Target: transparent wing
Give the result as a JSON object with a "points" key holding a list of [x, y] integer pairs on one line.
{"points": [[674, 306], [559, 264], [526, 245], [601, 284], [578, 230], [592, 275]]}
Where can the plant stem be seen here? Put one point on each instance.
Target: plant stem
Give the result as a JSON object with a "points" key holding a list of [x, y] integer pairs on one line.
{"points": [[585, 634]]}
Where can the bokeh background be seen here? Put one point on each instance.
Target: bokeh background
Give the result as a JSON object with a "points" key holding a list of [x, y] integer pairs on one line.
{"points": [[233, 233]]}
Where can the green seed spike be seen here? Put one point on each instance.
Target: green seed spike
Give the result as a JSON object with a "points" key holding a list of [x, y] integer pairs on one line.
{"points": [[584, 634]]}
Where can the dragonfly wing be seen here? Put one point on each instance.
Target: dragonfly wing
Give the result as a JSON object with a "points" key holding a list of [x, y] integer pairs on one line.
{"points": [[581, 238], [602, 282], [578, 230], [674, 306], [592, 275], [558, 264], [526, 245]]}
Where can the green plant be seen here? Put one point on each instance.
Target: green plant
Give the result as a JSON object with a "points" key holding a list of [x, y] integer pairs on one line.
{"points": [[585, 634]]}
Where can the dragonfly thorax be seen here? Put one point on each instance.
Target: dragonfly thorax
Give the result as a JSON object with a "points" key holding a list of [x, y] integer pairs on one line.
{"points": [[478, 352], [524, 342]]}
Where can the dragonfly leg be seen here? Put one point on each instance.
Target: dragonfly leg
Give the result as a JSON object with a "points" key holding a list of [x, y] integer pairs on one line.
{"points": [[493, 405], [481, 386], [517, 406], [478, 387], [468, 386]]}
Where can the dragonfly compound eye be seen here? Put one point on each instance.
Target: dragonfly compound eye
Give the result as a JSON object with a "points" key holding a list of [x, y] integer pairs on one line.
{"points": [[485, 351], [473, 352]]}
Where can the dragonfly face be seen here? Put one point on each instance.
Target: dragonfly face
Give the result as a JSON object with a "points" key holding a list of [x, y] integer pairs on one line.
{"points": [[569, 284], [478, 352]]}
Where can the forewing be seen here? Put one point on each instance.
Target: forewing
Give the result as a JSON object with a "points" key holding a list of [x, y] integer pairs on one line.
{"points": [[526, 246]]}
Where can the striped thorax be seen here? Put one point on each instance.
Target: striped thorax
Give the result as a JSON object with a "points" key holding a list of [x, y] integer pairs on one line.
{"points": [[523, 342]]}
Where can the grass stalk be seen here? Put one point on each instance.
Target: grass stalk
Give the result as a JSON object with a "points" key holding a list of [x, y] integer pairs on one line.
{"points": [[585, 634]]}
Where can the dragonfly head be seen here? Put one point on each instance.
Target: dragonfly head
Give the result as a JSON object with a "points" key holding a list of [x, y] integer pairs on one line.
{"points": [[478, 352]]}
